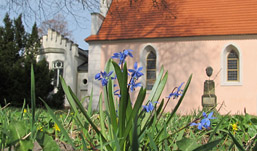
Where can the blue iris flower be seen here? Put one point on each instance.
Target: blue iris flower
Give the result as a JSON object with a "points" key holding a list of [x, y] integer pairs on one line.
{"points": [[133, 85], [149, 107], [122, 55], [135, 73], [205, 122], [104, 77], [177, 93]]}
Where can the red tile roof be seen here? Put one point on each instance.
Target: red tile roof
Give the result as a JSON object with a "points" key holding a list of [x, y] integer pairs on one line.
{"points": [[177, 18]]}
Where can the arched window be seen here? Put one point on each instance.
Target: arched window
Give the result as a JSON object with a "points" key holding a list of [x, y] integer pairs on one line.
{"points": [[58, 71], [232, 66], [150, 69]]}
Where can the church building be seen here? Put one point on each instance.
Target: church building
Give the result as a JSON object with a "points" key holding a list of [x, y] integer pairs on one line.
{"points": [[65, 58], [186, 37]]}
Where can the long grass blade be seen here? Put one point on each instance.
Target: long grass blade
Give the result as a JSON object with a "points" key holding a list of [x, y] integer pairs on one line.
{"points": [[177, 105], [208, 146], [33, 102], [240, 147], [156, 84], [90, 103], [58, 123], [112, 110]]}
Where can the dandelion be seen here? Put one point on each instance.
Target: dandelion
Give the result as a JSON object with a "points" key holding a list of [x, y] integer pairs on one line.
{"points": [[56, 127], [40, 128], [25, 111], [205, 122], [234, 127]]}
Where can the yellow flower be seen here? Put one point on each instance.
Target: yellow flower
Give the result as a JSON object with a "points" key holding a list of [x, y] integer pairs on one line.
{"points": [[234, 127], [25, 111], [56, 127], [40, 128]]}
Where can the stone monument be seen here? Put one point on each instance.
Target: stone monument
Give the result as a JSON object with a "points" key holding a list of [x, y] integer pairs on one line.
{"points": [[209, 98]]}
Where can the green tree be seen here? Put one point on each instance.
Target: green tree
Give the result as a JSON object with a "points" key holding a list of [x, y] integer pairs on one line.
{"points": [[18, 51]]}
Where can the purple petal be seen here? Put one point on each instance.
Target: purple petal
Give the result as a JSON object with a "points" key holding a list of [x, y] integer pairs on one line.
{"points": [[97, 76], [110, 73], [135, 65], [193, 124], [204, 114], [210, 115], [140, 68], [104, 82], [199, 126], [130, 54], [131, 70]]}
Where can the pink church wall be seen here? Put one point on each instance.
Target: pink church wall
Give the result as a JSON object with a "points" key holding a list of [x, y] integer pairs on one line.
{"points": [[183, 56]]}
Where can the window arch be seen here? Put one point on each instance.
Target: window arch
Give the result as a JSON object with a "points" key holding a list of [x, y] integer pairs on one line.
{"points": [[58, 71], [231, 65], [150, 69], [149, 60]]}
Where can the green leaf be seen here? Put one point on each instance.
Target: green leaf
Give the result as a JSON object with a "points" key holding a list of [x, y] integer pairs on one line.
{"points": [[90, 103], [17, 130], [240, 147], [152, 143], [160, 87], [177, 105], [137, 106], [254, 121], [112, 107], [59, 124], [255, 146], [208, 146], [70, 99], [135, 143], [156, 84], [216, 128], [46, 142], [24, 145], [102, 117], [33, 102], [83, 111], [122, 80], [187, 144]]}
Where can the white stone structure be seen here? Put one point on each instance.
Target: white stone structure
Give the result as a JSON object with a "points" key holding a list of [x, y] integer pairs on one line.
{"points": [[66, 59]]}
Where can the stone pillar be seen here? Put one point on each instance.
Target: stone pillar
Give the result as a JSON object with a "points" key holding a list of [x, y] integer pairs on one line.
{"points": [[209, 98]]}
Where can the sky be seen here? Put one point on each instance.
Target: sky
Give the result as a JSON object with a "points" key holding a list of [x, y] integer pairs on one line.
{"points": [[79, 26]]}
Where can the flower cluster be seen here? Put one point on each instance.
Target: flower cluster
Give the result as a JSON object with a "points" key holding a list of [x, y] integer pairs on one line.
{"points": [[104, 77], [205, 122], [122, 55], [177, 93], [149, 107], [135, 74]]}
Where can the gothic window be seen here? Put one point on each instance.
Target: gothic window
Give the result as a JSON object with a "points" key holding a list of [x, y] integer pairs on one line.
{"points": [[232, 66], [58, 71], [150, 70]]}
